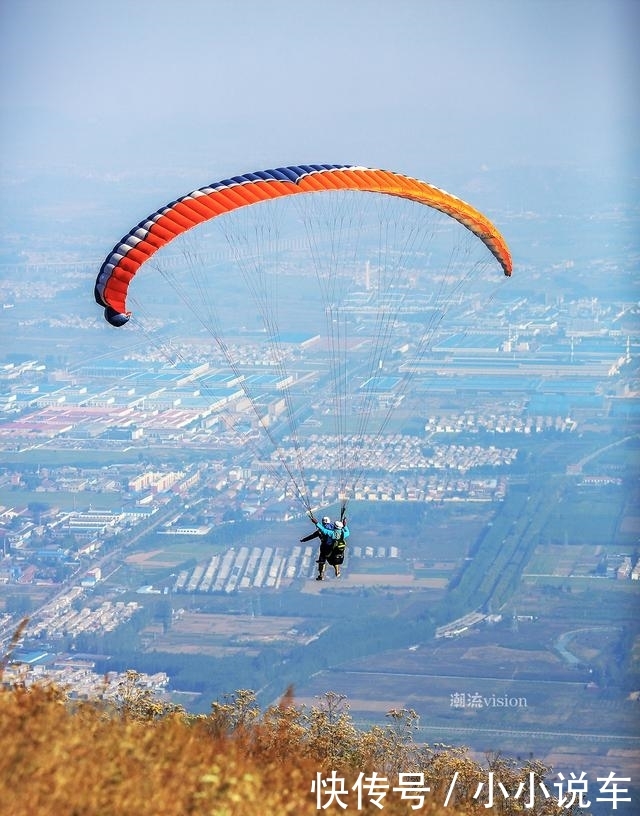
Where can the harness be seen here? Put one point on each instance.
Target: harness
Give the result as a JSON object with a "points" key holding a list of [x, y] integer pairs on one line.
{"points": [[336, 556]]}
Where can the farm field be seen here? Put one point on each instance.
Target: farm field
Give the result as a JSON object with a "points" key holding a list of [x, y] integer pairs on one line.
{"points": [[225, 635], [519, 695], [63, 499], [381, 579], [171, 555]]}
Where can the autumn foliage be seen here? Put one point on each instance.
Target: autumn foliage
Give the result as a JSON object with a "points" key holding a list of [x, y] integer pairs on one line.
{"points": [[136, 755]]}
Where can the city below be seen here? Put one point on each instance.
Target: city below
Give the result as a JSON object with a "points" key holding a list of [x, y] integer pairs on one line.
{"points": [[156, 482]]}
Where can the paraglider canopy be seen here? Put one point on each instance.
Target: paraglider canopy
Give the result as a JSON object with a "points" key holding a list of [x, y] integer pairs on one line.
{"points": [[240, 191], [369, 296]]}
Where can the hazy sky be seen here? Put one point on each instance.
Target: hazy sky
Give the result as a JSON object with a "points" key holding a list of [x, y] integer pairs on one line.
{"points": [[113, 86]]}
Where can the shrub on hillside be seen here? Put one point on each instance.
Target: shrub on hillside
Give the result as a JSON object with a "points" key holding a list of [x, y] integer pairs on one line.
{"points": [[136, 755]]}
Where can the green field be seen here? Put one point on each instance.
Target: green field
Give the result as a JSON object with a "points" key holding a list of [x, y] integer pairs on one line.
{"points": [[79, 501]]}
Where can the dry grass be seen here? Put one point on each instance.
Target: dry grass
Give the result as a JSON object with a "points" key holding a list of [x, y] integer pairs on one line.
{"points": [[57, 759], [137, 756]]}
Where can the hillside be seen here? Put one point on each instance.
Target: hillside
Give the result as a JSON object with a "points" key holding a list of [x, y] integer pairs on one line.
{"points": [[134, 754]]}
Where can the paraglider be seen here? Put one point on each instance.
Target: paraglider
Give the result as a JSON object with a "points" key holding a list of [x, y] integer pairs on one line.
{"points": [[336, 536], [369, 299], [333, 541]]}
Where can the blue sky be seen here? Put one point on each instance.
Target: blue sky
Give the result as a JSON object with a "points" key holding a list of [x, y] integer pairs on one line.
{"points": [[225, 86]]}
